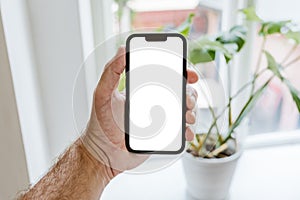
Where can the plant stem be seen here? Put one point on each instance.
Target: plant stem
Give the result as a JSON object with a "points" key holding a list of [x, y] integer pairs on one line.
{"points": [[292, 61], [229, 95], [208, 133], [241, 90], [231, 130], [258, 63], [262, 48], [249, 83], [214, 123], [288, 55], [214, 116], [251, 96], [211, 110]]}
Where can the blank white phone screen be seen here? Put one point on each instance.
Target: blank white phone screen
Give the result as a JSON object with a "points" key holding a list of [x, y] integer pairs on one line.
{"points": [[156, 81]]}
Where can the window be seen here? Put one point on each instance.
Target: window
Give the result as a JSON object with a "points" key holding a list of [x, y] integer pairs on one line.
{"points": [[276, 110]]}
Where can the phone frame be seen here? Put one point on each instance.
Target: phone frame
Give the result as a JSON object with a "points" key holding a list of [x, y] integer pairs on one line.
{"points": [[155, 37]]}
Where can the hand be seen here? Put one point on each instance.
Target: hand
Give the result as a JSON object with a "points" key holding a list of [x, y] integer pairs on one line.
{"points": [[104, 136]]}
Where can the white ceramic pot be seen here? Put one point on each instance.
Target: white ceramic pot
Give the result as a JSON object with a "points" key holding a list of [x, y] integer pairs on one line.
{"points": [[209, 179]]}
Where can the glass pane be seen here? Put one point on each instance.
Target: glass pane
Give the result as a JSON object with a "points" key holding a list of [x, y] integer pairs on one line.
{"points": [[165, 14], [276, 111]]}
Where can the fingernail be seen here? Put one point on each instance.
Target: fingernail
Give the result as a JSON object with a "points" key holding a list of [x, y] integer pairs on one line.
{"points": [[193, 98]]}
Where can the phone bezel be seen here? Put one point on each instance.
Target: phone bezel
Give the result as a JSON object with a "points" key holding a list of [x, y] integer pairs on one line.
{"points": [[152, 37]]}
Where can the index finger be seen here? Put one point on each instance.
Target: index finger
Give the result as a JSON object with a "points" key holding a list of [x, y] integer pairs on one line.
{"points": [[192, 76]]}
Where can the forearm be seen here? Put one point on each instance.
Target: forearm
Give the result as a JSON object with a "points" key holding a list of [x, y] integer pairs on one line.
{"points": [[77, 175]]}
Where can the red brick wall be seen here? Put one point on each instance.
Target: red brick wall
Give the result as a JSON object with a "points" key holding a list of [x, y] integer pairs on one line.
{"points": [[160, 18]]}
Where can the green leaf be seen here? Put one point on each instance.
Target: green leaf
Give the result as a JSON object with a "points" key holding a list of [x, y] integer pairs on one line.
{"points": [[251, 14], [201, 55], [295, 94], [293, 36], [204, 50], [185, 27], [249, 105], [239, 28], [269, 28], [227, 58], [121, 6], [246, 109], [122, 82], [215, 46], [273, 65], [236, 35], [296, 99], [227, 44]]}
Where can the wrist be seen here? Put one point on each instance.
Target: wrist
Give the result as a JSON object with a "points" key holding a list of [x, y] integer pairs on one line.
{"points": [[105, 171]]}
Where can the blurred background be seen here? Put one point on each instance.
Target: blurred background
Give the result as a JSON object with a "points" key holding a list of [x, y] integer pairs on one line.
{"points": [[44, 43]]}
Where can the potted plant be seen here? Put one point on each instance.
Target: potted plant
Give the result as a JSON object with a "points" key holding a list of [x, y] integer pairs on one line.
{"points": [[210, 161]]}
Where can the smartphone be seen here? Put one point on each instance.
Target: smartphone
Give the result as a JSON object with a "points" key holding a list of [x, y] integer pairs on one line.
{"points": [[155, 103]]}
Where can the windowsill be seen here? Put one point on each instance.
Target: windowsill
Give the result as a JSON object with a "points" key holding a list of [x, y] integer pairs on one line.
{"points": [[273, 139], [262, 173]]}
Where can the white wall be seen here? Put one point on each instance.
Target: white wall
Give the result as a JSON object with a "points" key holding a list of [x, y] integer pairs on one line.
{"points": [[58, 51], [45, 51], [13, 167], [23, 67]]}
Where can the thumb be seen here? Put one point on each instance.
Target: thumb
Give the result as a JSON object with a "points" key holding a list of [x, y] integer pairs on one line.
{"points": [[111, 75]]}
